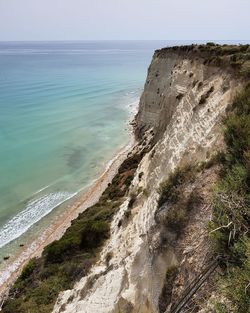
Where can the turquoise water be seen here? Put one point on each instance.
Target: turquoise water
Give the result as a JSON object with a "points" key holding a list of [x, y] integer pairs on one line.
{"points": [[64, 109]]}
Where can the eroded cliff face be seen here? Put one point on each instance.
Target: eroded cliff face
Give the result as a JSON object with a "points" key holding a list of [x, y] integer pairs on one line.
{"points": [[179, 119]]}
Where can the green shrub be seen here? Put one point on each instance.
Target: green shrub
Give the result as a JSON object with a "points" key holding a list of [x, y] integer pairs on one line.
{"points": [[237, 135], [175, 219], [169, 190], [229, 227], [94, 233], [211, 44], [28, 269], [57, 250], [178, 214], [178, 201], [230, 210], [241, 103], [245, 69], [235, 285]]}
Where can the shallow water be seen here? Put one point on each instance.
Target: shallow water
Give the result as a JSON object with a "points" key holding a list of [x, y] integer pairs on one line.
{"points": [[64, 109]]}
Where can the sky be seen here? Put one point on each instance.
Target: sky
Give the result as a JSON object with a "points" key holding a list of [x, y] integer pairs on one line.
{"points": [[124, 19]]}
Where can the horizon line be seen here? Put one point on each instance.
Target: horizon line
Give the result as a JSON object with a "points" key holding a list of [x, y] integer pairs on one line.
{"points": [[94, 40]]}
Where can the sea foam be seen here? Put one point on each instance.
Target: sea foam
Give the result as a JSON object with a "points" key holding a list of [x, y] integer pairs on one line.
{"points": [[34, 211]]}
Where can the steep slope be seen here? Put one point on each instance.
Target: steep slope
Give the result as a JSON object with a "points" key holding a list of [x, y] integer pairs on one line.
{"points": [[180, 111], [138, 248]]}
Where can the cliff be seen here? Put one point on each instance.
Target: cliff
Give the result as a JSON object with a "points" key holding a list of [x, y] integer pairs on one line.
{"points": [[159, 240], [184, 128]]}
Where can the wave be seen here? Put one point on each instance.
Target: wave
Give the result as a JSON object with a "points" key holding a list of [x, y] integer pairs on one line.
{"points": [[35, 210]]}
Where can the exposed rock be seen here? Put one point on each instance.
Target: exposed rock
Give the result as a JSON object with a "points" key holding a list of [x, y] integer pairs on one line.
{"points": [[180, 131]]}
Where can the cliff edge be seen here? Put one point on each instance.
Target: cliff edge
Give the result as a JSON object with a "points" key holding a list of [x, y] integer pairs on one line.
{"points": [[158, 241], [180, 114]]}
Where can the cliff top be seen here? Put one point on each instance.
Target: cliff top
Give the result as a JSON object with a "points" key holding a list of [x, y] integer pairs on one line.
{"points": [[233, 57]]}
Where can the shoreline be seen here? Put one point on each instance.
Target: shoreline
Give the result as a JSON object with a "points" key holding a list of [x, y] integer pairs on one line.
{"points": [[56, 229]]}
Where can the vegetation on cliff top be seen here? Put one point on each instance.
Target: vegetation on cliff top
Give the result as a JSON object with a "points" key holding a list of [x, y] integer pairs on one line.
{"points": [[234, 57], [68, 259]]}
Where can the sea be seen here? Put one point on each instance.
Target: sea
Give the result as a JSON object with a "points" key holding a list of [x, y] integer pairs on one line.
{"points": [[64, 112]]}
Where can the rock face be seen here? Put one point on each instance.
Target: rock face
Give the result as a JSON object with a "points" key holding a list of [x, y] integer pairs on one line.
{"points": [[180, 110]]}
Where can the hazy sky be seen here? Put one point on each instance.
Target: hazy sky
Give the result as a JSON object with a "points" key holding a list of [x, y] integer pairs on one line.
{"points": [[124, 19]]}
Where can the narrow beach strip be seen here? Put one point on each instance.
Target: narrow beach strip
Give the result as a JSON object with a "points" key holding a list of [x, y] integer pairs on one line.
{"points": [[59, 225]]}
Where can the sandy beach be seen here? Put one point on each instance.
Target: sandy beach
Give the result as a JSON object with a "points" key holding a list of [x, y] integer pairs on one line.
{"points": [[59, 225]]}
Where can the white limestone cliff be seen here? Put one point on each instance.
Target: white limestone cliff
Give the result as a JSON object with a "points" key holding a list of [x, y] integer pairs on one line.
{"points": [[130, 274]]}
